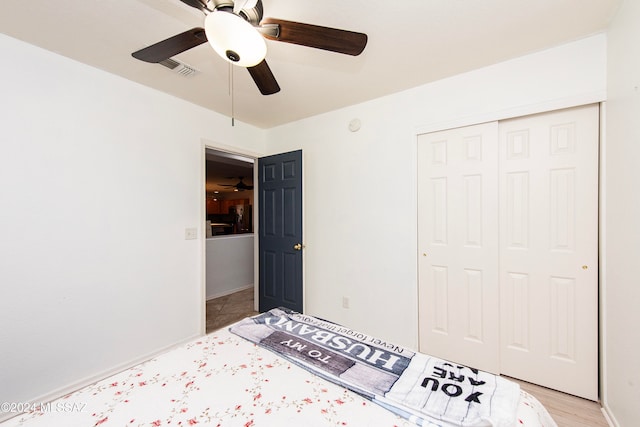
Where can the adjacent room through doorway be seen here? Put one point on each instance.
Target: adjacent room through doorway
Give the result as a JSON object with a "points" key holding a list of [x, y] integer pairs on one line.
{"points": [[229, 249]]}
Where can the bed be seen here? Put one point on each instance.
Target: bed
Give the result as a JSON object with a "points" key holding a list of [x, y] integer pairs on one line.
{"points": [[222, 379]]}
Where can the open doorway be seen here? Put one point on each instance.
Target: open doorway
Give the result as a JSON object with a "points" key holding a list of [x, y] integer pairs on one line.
{"points": [[229, 248]]}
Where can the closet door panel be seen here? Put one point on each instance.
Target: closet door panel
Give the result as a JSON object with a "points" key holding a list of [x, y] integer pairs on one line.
{"points": [[549, 249], [457, 233]]}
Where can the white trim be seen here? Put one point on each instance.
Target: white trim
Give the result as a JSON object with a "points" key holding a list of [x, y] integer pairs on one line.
{"points": [[203, 237], [304, 270], [231, 149], [519, 111], [602, 255], [256, 238], [608, 416], [229, 292], [416, 241]]}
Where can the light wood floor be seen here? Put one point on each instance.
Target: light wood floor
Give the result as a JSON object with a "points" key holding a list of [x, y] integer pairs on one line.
{"points": [[566, 410]]}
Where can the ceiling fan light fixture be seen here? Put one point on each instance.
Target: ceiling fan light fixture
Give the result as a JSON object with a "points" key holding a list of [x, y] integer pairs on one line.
{"points": [[235, 39], [239, 5]]}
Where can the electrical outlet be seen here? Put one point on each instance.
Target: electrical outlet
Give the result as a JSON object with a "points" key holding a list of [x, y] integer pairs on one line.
{"points": [[190, 233], [345, 302]]}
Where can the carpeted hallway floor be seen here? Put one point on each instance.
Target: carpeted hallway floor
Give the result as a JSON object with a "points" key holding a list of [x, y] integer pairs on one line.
{"points": [[228, 309]]}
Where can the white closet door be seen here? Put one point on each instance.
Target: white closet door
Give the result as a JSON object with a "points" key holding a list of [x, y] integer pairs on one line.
{"points": [[458, 244], [549, 249]]}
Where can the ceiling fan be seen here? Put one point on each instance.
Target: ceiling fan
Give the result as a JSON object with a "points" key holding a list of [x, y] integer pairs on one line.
{"points": [[236, 30], [240, 186]]}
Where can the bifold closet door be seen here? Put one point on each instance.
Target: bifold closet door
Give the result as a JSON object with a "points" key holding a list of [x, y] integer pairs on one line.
{"points": [[549, 249], [458, 244]]}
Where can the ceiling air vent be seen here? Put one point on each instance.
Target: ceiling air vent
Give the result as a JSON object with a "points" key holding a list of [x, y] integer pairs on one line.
{"points": [[178, 67]]}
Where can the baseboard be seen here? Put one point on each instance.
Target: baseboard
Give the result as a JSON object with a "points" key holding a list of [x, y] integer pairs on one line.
{"points": [[611, 420], [70, 388], [229, 292]]}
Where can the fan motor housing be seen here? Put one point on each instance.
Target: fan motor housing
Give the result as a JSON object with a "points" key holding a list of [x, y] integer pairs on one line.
{"points": [[253, 15], [216, 4]]}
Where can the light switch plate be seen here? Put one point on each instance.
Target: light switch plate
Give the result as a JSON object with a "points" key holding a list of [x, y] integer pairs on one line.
{"points": [[190, 233], [345, 302]]}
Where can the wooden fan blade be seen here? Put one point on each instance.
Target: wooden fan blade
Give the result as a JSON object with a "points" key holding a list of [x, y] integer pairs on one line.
{"points": [[172, 46], [264, 78], [332, 39]]}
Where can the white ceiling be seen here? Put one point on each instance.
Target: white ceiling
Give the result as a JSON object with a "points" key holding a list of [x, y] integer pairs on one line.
{"points": [[411, 42]]}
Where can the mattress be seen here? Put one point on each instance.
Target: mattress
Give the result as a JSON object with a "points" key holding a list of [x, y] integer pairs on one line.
{"points": [[223, 380]]}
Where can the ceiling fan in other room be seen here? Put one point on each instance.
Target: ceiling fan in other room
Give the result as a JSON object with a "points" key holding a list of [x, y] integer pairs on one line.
{"points": [[237, 30], [240, 186]]}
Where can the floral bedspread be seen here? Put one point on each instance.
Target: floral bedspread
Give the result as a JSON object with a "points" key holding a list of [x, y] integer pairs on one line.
{"points": [[223, 380]]}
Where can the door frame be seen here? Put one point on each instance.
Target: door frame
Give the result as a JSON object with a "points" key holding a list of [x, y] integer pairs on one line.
{"points": [[208, 144], [244, 152]]}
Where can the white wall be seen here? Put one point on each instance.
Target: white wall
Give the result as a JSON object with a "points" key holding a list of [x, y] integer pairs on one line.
{"points": [[622, 230], [111, 165], [360, 188], [230, 263], [99, 177]]}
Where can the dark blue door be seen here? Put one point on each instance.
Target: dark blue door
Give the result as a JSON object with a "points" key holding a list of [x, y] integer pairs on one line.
{"points": [[280, 232]]}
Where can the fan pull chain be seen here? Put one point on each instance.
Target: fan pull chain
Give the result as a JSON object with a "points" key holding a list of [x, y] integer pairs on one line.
{"points": [[231, 94]]}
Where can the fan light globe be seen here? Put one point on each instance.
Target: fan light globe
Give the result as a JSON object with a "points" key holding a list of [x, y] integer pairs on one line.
{"points": [[235, 39]]}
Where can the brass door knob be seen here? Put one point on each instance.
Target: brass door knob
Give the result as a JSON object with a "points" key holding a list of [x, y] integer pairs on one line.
{"points": [[298, 246]]}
